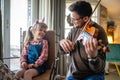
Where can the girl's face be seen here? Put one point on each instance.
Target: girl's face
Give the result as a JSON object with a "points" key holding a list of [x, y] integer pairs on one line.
{"points": [[39, 33]]}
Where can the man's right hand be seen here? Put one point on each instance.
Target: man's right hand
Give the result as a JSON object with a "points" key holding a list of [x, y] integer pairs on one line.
{"points": [[67, 45]]}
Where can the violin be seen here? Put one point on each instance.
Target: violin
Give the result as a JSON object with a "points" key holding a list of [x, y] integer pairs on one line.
{"points": [[90, 31]]}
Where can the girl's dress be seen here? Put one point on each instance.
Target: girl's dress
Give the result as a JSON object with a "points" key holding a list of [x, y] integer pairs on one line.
{"points": [[34, 52]]}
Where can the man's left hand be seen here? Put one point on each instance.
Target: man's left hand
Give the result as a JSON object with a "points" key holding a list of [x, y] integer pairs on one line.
{"points": [[91, 47]]}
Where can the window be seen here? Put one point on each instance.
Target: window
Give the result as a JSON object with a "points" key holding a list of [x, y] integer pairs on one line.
{"points": [[67, 26], [18, 23]]}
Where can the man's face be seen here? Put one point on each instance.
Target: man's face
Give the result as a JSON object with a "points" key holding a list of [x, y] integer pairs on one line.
{"points": [[77, 20]]}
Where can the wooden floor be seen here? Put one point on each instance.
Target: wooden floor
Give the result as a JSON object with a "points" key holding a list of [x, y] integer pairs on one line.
{"points": [[113, 74]]}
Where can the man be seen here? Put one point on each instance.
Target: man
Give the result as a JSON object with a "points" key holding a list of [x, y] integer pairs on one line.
{"points": [[88, 62]]}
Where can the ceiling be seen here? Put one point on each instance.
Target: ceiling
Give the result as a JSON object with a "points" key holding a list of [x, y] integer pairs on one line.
{"points": [[113, 8]]}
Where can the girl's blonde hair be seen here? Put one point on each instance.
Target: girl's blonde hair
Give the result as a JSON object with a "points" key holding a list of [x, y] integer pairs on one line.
{"points": [[29, 34]]}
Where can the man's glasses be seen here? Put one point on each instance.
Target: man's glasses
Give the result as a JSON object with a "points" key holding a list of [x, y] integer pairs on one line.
{"points": [[75, 20]]}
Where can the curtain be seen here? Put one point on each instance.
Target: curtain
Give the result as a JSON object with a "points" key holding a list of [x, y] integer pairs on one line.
{"points": [[45, 12], [1, 48], [54, 13], [57, 9], [34, 11]]}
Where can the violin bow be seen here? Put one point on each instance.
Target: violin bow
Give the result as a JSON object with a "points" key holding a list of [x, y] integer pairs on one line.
{"points": [[92, 13]]}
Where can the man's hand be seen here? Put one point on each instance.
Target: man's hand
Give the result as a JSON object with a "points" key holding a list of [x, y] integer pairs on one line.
{"points": [[67, 45], [91, 46]]}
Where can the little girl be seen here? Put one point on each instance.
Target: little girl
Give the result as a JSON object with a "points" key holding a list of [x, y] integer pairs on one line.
{"points": [[35, 52]]}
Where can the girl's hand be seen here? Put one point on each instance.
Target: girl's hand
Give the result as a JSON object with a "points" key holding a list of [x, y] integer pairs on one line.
{"points": [[24, 65], [30, 66], [91, 46], [36, 65]]}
